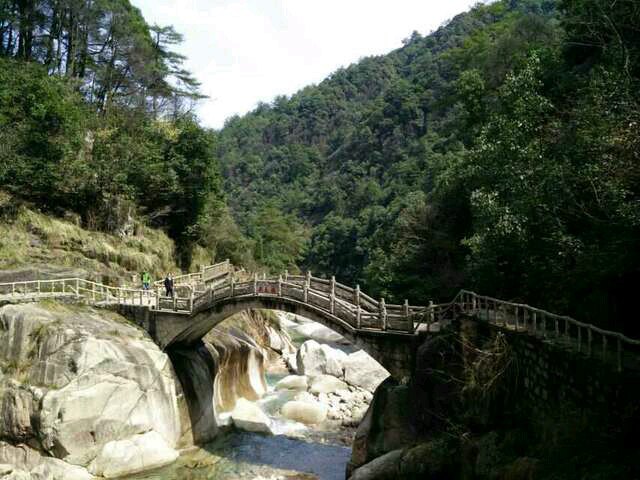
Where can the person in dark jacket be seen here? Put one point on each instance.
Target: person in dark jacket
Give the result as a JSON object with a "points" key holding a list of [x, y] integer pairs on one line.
{"points": [[168, 285]]}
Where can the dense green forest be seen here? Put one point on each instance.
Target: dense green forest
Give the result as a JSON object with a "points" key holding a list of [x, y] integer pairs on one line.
{"points": [[96, 119], [498, 153]]}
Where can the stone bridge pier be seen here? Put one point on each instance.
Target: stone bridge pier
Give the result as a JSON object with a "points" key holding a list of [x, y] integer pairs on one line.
{"points": [[394, 350]]}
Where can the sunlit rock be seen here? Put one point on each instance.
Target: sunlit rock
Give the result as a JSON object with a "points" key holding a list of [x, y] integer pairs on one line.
{"points": [[361, 370], [249, 417], [316, 359], [293, 382], [326, 384], [126, 457], [309, 413]]}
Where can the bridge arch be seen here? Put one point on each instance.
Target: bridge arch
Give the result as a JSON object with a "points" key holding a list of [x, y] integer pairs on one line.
{"points": [[393, 350]]}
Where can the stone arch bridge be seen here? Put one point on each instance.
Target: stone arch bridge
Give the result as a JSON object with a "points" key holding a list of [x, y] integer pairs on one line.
{"points": [[389, 333]]}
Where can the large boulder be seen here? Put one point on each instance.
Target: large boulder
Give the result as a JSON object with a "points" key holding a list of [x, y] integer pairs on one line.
{"points": [[134, 455], [293, 382], [361, 370], [326, 384], [319, 333], [85, 358], [23, 462], [306, 412], [249, 417], [316, 359], [389, 424], [385, 467]]}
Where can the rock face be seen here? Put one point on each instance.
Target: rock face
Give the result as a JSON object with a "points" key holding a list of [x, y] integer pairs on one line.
{"points": [[293, 382], [361, 370], [388, 424], [67, 367], [326, 384], [249, 417], [317, 359], [125, 457], [308, 412]]}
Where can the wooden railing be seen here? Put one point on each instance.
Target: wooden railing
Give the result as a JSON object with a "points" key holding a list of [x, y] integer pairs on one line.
{"points": [[608, 346], [349, 306]]}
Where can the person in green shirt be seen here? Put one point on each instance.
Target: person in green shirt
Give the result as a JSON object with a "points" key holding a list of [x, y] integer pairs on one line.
{"points": [[146, 280]]}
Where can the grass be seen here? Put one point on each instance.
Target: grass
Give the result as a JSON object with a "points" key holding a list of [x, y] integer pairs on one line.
{"points": [[30, 237]]}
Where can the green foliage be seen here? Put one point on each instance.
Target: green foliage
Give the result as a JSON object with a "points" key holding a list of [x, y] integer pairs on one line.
{"points": [[499, 153]]}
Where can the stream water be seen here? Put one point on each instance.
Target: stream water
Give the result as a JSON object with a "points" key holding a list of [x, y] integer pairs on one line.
{"points": [[295, 451]]}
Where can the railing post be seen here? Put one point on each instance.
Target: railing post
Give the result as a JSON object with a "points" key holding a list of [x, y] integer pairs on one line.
{"points": [[77, 288], [305, 289], [191, 302], [619, 354], [141, 297], [535, 323], [356, 296], [308, 278], [13, 289], [279, 285], [589, 339], [579, 338], [383, 315], [231, 286], [175, 303], [474, 303], [407, 317], [157, 298], [358, 317], [255, 284], [517, 319], [332, 298], [430, 316], [286, 275], [38, 286]]}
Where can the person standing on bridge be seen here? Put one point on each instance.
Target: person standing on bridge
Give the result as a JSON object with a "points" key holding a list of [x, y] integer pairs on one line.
{"points": [[168, 285], [146, 281]]}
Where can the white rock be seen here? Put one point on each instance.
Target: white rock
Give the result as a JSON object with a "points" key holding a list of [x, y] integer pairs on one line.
{"points": [[305, 412], [126, 457], [316, 359], [304, 397], [361, 370], [293, 382], [326, 384], [248, 416], [56, 469], [319, 333]]}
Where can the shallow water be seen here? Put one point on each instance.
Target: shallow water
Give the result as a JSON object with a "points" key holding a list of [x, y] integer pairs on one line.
{"points": [[295, 452], [245, 455]]}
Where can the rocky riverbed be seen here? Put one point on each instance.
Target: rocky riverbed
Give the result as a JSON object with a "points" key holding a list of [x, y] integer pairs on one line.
{"points": [[85, 394]]}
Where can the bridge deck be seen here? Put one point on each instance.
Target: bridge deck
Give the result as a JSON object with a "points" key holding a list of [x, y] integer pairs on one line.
{"points": [[204, 290]]}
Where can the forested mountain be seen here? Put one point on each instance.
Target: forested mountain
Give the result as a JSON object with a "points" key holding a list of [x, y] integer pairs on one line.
{"points": [[95, 119], [498, 153]]}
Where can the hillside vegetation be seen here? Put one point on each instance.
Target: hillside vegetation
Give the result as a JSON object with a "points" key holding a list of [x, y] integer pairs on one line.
{"points": [[498, 153], [96, 120], [36, 245]]}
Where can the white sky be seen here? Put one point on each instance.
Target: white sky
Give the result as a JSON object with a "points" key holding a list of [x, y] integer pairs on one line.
{"points": [[246, 51]]}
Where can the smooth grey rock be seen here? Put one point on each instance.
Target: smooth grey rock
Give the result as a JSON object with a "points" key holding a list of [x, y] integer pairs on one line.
{"points": [[309, 413], [316, 359], [136, 454], [361, 370], [326, 384], [293, 382], [248, 416]]}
